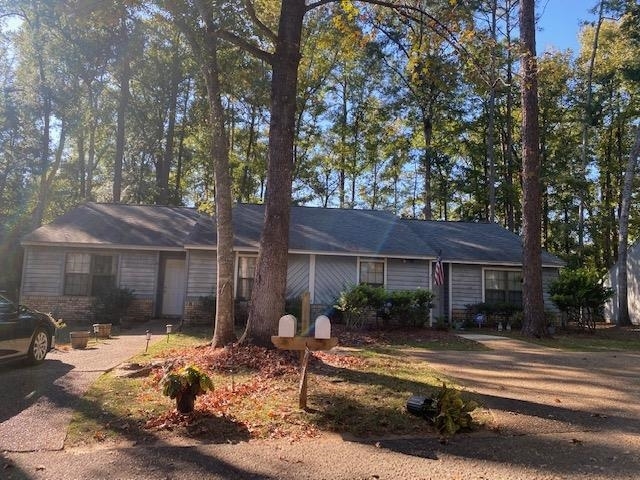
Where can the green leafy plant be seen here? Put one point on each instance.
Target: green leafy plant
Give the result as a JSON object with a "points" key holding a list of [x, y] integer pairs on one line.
{"points": [[400, 307], [356, 302], [293, 306], [442, 323], [184, 386], [453, 412], [408, 307], [580, 295], [208, 303], [111, 304], [447, 411]]}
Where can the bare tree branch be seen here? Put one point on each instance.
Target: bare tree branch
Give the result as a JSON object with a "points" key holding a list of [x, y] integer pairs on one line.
{"points": [[246, 46], [320, 3], [258, 23]]}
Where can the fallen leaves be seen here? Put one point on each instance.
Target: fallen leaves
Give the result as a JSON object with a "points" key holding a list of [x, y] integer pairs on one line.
{"points": [[341, 361], [246, 379], [255, 394]]}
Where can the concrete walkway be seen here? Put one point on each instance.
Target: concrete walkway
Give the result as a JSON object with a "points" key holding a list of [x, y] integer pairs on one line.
{"points": [[36, 403]]}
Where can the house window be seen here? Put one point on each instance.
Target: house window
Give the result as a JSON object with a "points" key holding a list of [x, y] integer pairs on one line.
{"points": [[246, 274], [87, 274], [372, 272], [503, 286]]}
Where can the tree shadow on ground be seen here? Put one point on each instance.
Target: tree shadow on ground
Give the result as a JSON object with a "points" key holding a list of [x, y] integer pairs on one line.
{"points": [[528, 447], [24, 385], [199, 429], [194, 427], [558, 454], [583, 419], [9, 470], [157, 452]]}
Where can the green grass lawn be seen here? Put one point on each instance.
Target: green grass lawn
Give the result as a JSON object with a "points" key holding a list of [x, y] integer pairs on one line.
{"points": [[361, 390]]}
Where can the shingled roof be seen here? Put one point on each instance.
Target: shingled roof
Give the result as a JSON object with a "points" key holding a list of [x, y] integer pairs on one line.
{"points": [[118, 225], [313, 230], [331, 230], [474, 242]]}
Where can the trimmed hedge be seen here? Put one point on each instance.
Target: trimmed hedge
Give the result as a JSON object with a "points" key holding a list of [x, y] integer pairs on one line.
{"points": [[362, 302]]}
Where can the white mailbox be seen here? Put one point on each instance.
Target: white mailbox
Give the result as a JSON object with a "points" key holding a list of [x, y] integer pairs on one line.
{"points": [[323, 327], [287, 326]]}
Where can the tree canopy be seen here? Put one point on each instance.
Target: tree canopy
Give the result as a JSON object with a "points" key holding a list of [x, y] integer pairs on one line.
{"points": [[409, 107]]}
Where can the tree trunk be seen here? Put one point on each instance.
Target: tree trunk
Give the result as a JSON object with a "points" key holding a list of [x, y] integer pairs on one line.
{"points": [[532, 298], [91, 153], [120, 132], [82, 163], [224, 316], [491, 119], [508, 150], [48, 176], [623, 235], [427, 131], [123, 103], [267, 298], [586, 123], [342, 173], [245, 183], [177, 199], [167, 156]]}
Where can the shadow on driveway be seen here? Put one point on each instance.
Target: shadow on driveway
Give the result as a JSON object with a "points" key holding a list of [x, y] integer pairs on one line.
{"points": [[25, 385]]}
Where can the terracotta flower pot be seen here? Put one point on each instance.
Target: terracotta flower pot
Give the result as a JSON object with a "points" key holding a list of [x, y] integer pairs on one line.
{"points": [[79, 340], [185, 403]]}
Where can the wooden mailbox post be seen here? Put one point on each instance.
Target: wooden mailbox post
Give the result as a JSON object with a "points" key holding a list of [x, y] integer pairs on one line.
{"points": [[303, 343]]}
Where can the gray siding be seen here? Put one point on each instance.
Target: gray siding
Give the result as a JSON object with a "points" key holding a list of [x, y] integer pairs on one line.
{"points": [[333, 274], [202, 274], [139, 272], [407, 275], [633, 288], [633, 284], [297, 275], [466, 285], [43, 271]]}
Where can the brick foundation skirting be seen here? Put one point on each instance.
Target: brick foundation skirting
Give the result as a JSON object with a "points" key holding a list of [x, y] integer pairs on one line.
{"points": [[196, 314], [78, 309]]}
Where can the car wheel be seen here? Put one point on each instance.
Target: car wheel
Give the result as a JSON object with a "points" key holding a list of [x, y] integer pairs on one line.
{"points": [[39, 346]]}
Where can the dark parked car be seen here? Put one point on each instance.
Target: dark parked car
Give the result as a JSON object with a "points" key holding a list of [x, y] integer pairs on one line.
{"points": [[24, 333]]}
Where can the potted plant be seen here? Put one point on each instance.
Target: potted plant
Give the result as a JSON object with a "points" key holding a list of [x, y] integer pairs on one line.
{"points": [[79, 339], [184, 385]]}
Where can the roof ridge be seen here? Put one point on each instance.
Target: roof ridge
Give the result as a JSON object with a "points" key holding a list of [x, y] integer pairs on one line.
{"points": [[146, 205]]}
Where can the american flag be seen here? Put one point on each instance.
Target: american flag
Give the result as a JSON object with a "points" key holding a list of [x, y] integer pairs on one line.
{"points": [[438, 272]]}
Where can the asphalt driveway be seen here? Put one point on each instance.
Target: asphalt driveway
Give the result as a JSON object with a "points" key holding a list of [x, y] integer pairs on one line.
{"points": [[530, 388], [36, 403]]}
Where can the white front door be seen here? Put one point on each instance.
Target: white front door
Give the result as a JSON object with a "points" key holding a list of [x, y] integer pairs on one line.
{"points": [[173, 289]]}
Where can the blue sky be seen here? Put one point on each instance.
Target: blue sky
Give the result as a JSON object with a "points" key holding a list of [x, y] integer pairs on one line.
{"points": [[560, 22]]}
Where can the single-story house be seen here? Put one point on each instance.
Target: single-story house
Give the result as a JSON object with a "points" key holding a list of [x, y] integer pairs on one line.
{"points": [[167, 256], [633, 287]]}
